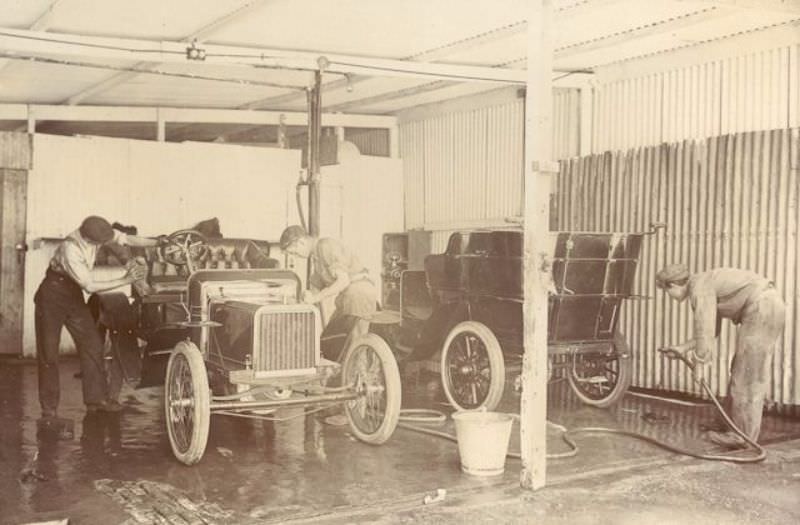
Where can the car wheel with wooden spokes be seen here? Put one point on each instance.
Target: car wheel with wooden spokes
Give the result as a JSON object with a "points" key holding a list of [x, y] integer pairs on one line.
{"points": [[371, 369], [473, 370], [187, 403], [601, 378]]}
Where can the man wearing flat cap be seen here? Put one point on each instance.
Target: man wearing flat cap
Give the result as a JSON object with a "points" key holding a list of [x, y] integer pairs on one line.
{"points": [[752, 302], [336, 272], [59, 302]]}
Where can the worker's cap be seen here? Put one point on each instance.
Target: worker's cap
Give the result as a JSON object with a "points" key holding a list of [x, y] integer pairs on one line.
{"points": [[291, 234], [674, 273], [96, 229]]}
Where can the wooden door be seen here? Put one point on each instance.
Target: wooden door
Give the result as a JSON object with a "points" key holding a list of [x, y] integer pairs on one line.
{"points": [[13, 204]]}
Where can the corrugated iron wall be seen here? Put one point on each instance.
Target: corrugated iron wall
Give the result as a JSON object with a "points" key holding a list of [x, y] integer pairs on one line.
{"points": [[743, 93], [373, 142], [464, 168], [727, 201]]}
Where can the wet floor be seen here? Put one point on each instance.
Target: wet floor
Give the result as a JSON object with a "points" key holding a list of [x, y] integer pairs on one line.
{"points": [[118, 468]]}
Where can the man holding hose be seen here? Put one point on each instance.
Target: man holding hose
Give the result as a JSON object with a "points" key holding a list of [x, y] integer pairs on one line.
{"points": [[752, 302]]}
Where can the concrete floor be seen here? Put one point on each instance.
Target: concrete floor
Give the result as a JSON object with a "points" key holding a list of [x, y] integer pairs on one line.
{"points": [[119, 468]]}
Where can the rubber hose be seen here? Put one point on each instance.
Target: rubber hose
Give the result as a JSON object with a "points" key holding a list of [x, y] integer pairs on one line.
{"points": [[566, 436], [435, 416], [762, 454]]}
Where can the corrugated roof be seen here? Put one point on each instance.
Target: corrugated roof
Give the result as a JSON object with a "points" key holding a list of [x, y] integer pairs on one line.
{"points": [[588, 34]]}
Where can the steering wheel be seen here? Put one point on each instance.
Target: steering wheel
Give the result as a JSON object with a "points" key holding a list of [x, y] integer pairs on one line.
{"points": [[184, 247]]}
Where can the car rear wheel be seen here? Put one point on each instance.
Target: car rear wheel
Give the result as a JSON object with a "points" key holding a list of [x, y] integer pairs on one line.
{"points": [[473, 370], [601, 379], [371, 369], [187, 403]]}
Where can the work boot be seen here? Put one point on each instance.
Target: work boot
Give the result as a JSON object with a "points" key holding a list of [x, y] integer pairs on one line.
{"points": [[729, 440]]}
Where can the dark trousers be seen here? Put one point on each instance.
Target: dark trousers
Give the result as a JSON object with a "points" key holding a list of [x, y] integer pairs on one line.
{"points": [[334, 336], [59, 303], [762, 325]]}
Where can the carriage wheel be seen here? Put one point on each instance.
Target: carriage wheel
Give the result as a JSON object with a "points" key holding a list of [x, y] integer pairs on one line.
{"points": [[473, 371], [186, 403], [372, 369], [601, 379]]}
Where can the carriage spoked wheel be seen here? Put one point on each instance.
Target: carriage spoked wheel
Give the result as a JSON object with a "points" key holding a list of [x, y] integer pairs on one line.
{"points": [[371, 368], [187, 403], [473, 370], [601, 379]]}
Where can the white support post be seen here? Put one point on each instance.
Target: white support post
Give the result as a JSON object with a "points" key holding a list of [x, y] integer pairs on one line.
{"points": [[394, 142], [31, 121], [161, 126], [794, 86], [538, 170]]}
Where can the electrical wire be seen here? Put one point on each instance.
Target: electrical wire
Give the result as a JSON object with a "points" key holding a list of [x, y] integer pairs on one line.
{"points": [[52, 40], [157, 50], [422, 73], [146, 71], [259, 56]]}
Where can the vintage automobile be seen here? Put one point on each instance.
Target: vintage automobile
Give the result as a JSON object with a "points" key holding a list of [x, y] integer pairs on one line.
{"points": [[241, 343], [467, 304]]}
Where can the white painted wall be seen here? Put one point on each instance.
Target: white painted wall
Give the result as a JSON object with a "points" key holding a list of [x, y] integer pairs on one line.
{"points": [[369, 191], [162, 187], [159, 187]]}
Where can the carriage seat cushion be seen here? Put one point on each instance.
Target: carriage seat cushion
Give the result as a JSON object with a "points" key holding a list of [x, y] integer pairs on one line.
{"points": [[164, 277], [244, 253]]}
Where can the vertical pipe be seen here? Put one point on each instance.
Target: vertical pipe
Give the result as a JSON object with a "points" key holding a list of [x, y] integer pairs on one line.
{"points": [[314, 133]]}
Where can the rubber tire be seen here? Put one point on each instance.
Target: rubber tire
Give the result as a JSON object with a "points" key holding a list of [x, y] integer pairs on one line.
{"points": [[393, 389], [497, 367], [623, 381], [201, 396]]}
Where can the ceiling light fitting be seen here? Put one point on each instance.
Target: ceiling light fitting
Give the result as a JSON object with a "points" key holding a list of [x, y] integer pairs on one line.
{"points": [[195, 53]]}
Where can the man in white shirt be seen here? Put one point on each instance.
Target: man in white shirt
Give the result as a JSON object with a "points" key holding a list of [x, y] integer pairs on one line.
{"points": [[59, 302]]}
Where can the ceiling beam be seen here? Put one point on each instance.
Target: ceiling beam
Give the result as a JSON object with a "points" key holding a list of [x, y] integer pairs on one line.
{"points": [[426, 56], [26, 43], [656, 28], [570, 10], [201, 34], [581, 78], [777, 6], [247, 7], [185, 115], [438, 53], [392, 95], [696, 53], [42, 23]]}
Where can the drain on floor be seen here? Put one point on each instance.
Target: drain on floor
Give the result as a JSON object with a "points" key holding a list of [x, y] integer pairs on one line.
{"points": [[149, 502]]}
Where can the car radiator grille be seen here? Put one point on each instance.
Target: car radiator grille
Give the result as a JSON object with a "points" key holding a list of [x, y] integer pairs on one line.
{"points": [[286, 342]]}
